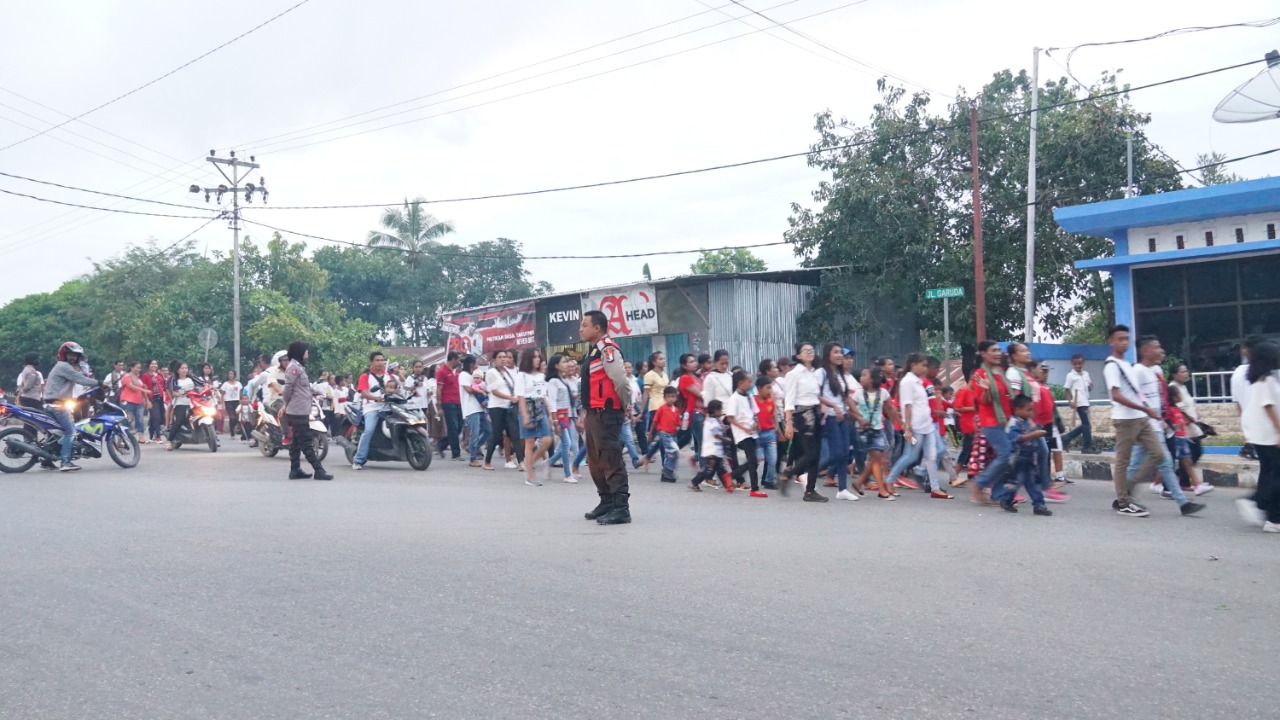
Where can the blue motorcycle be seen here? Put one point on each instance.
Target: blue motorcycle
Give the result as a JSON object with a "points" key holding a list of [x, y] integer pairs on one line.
{"points": [[38, 439]]}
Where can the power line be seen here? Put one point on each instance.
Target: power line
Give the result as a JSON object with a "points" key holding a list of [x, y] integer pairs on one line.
{"points": [[506, 73], [812, 39], [758, 161], [145, 85], [259, 151], [102, 209], [97, 192]]}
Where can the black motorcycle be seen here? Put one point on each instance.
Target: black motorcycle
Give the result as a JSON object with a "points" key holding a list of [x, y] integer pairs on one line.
{"points": [[401, 435]]}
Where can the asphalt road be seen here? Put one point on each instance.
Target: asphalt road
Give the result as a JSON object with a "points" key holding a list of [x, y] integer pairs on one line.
{"points": [[208, 586]]}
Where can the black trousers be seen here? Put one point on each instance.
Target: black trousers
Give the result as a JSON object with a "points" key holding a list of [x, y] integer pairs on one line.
{"points": [[807, 438], [27, 402], [156, 423], [453, 429], [605, 450], [233, 417], [748, 466], [504, 421], [303, 442], [180, 415], [1267, 495]]}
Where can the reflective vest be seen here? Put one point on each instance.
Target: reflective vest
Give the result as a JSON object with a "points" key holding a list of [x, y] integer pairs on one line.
{"points": [[600, 388]]}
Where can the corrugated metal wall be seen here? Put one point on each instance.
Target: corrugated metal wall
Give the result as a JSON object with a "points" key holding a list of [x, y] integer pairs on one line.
{"points": [[754, 320]]}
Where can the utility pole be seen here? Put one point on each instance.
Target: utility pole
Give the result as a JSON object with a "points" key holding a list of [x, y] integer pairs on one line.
{"points": [[1128, 183], [979, 277], [1030, 300], [249, 189]]}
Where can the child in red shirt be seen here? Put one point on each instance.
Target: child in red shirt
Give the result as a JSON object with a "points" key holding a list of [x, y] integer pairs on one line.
{"points": [[767, 431], [662, 435]]}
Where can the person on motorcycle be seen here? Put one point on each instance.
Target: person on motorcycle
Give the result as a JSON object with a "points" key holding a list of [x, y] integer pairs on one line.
{"points": [[63, 380], [297, 396], [371, 389]]}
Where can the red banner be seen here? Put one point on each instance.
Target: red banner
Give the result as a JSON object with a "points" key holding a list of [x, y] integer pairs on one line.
{"points": [[479, 332]]}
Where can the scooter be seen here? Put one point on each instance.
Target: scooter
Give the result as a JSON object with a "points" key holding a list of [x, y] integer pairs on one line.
{"points": [[199, 425], [34, 436], [272, 438], [401, 435]]}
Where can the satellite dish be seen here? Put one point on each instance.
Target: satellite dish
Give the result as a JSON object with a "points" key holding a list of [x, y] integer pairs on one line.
{"points": [[1256, 100], [208, 338]]}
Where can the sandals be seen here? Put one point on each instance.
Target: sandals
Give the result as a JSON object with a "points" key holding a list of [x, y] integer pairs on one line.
{"points": [[882, 496]]}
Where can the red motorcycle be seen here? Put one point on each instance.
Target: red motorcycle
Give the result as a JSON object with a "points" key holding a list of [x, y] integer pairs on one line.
{"points": [[199, 425]]}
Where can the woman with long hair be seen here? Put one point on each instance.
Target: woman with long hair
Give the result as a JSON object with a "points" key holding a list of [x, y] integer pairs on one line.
{"points": [[871, 406], [535, 427], [297, 415], [994, 410], [133, 396], [158, 395], [803, 407], [1260, 420], [835, 433], [692, 409], [230, 390], [1186, 404], [564, 414], [179, 385], [655, 384]]}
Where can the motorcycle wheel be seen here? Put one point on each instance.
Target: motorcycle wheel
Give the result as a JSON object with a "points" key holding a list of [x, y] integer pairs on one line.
{"points": [[417, 451], [123, 448], [212, 437], [16, 461], [267, 449], [322, 447]]}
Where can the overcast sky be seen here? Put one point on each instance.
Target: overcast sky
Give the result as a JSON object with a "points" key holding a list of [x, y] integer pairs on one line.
{"points": [[743, 98]]}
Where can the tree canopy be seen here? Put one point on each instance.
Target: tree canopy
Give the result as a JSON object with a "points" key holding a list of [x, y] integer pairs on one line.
{"points": [[738, 260], [897, 208]]}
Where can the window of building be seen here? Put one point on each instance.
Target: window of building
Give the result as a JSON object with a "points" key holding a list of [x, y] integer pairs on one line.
{"points": [[1151, 245], [1271, 231], [1208, 238], [1239, 235], [1182, 243]]}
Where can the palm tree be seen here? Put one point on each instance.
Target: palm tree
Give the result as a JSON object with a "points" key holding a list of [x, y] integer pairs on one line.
{"points": [[410, 229]]}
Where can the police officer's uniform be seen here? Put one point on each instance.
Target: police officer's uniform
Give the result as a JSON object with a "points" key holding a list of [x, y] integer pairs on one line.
{"points": [[603, 387]]}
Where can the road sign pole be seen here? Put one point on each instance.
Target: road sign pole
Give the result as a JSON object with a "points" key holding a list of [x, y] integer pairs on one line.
{"points": [[946, 337]]}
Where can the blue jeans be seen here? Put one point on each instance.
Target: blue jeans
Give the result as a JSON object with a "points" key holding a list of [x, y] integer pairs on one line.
{"points": [[581, 455], [370, 426], [836, 435], [998, 467], [767, 446], [1023, 475], [924, 450], [68, 425], [695, 430], [1085, 428], [855, 442], [478, 432], [666, 444], [567, 449], [629, 440], [1165, 469], [134, 413]]}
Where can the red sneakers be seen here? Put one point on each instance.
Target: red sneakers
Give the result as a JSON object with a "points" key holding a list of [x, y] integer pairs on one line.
{"points": [[908, 483], [757, 493]]}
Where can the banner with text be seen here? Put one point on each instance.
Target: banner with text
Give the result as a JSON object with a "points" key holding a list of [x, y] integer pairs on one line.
{"points": [[631, 310], [564, 316], [477, 332]]}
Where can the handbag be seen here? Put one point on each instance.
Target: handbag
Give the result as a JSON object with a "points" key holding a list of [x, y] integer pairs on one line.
{"points": [[1206, 428]]}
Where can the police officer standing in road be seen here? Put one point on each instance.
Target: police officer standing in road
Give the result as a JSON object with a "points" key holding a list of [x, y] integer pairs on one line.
{"points": [[603, 387]]}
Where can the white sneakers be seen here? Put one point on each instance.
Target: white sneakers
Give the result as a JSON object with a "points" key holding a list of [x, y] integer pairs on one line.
{"points": [[571, 480], [1271, 527], [1204, 488], [357, 466], [1250, 513], [1157, 487], [846, 495], [511, 465]]}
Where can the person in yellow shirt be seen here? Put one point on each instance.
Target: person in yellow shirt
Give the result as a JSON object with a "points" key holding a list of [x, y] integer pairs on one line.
{"points": [[655, 384]]}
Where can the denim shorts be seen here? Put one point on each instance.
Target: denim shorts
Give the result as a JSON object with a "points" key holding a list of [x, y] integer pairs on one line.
{"points": [[1182, 447], [873, 440], [540, 429]]}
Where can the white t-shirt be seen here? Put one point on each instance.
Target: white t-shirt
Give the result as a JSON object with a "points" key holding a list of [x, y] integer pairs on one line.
{"points": [[718, 386], [470, 405], [1240, 384], [1149, 383], [1254, 421], [912, 393], [802, 388], [1077, 384], [531, 385], [1114, 373], [185, 385], [230, 391], [742, 409], [503, 381], [269, 394], [634, 386], [712, 433], [418, 389]]}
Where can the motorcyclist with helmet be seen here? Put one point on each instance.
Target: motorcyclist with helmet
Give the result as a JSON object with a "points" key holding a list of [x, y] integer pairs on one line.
{"points": [[60, 385]]}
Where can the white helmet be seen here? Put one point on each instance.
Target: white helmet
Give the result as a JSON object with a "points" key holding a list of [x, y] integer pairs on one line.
{"points": [[275, 359]]}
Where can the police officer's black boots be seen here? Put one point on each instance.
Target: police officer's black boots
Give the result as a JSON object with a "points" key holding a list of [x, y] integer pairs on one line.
{"points": [[620, 514], [296, 472], [606, 504]]}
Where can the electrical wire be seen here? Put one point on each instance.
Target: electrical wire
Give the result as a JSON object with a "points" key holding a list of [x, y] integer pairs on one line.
{"points": [[145, 85], [874, 68], [97, 192], [745, 163], [258, 150], [1054, 199], [101, 209]]}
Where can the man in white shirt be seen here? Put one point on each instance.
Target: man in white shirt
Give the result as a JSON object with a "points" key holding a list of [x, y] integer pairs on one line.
{"points": [[1151, 384], [1130, 417], [1240, 387], [1079, 384], [501, 382], [918, 426]]}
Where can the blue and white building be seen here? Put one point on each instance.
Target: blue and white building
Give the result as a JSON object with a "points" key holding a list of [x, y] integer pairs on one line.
{"points": [[1200, 268]]}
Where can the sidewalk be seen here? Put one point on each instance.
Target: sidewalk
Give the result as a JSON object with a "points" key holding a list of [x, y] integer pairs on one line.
{"points": [[1219, 470]]}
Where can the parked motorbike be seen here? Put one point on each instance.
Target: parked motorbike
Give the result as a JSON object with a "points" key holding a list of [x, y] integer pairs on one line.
{"points": [[34, 436], [272, 438], [199, 426], [401, 435]]}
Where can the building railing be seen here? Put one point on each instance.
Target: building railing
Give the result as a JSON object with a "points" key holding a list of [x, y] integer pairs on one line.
{"points": [[1211, 386]]}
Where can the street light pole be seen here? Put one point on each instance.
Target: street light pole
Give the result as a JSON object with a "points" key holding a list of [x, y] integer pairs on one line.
{"points": [[249, 189], [1030, 300]]}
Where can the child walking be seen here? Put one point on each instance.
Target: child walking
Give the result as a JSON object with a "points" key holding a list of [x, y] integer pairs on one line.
{"points": [[714, 436], [663, 429], [767, 431], [1023, 437], [743, 424]]}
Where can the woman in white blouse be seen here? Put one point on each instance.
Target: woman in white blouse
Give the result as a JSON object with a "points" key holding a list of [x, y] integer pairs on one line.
{"points": [[803, 408]]}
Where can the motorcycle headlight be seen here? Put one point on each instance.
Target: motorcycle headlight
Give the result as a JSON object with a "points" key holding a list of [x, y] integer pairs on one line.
{"points": [[205, 411]]}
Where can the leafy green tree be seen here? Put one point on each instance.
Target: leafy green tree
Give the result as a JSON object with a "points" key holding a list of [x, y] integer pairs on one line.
{"points": [[724, 260], [897, 214], [40, 323], [409, 228], [1214, 172]]}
